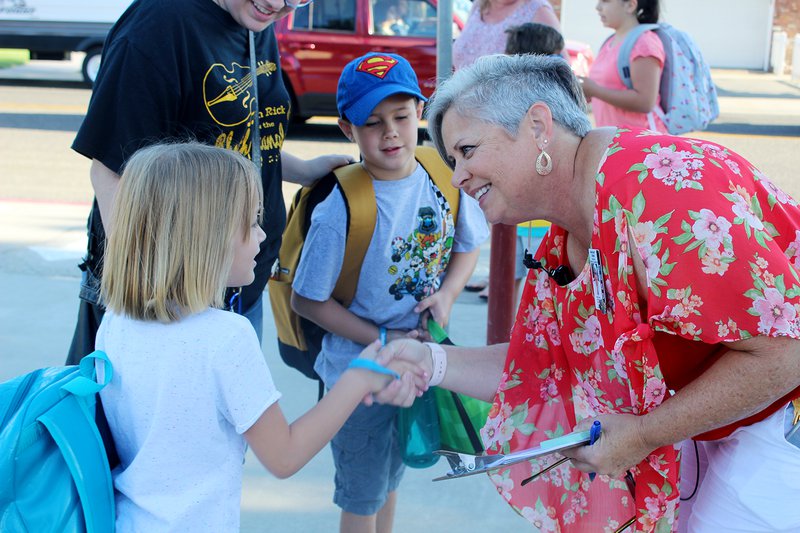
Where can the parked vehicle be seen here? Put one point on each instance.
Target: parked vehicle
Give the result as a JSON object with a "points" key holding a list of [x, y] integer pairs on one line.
{"points": [[317, 41], [53, 29]]}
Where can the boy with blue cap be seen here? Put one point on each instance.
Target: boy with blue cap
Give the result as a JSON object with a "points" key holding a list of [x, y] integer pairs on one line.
{"points": [[418, 260]]}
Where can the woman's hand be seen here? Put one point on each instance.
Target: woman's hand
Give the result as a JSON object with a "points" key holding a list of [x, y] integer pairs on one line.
{"points": [[401, 391], [414, 359], [620, 446]]}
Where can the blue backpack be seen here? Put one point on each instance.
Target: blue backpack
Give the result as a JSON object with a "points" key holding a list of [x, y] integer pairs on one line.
{"points": [[53, 462], [688, 95]]}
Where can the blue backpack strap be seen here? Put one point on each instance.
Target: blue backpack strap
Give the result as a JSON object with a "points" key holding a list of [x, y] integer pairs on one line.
{"points": [[75, 433], [624, 55], [74, 430], [85, 384]]}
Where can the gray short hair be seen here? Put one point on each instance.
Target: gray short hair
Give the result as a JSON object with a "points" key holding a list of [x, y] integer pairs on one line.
{"points": [[499, 90]]}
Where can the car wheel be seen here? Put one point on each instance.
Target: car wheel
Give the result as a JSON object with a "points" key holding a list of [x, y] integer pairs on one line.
{"points": [[91, 64]]}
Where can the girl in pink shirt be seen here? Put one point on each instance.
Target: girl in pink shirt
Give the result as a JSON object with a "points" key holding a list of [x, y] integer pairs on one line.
{"points": [[613, 104]]}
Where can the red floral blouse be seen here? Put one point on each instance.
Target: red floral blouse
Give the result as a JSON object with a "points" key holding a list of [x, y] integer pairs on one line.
{"points": [[721, 248]]}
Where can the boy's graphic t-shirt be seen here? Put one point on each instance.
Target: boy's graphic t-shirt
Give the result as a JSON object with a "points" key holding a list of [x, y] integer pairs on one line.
{"points": [[406, 261]]}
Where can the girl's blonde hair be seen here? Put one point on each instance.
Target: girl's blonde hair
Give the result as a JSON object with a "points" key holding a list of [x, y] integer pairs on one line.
{"points": [[178, 209]]}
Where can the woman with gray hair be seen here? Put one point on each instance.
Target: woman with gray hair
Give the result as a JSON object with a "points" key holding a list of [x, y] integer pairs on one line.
{"points": [[621, 320]]}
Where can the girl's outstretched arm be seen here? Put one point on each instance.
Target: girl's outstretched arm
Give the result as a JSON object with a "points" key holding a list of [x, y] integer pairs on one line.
{"points": [[284, 448]]}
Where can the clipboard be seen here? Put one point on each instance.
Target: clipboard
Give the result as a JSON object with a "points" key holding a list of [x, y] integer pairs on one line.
{"points": [[464, 464]]}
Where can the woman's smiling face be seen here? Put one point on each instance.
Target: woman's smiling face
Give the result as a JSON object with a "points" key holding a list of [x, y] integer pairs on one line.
{"points": [[489, 164]]}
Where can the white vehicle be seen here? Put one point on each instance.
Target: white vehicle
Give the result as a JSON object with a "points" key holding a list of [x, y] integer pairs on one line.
{"points": [[52, 29]]}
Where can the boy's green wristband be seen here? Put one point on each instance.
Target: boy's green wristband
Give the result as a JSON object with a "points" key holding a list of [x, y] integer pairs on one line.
{"points": [[369, 364]]}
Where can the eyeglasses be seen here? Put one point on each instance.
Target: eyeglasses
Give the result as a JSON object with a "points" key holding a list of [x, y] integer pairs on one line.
{"points": [[294, 4], [562, 274]]}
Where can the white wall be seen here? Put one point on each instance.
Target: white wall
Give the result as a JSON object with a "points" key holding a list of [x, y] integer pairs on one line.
{"points": [[63, 10], [730, 33]]}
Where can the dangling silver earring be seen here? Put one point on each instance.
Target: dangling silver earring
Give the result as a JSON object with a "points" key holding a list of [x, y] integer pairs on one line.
{"points": [[544, 163]]}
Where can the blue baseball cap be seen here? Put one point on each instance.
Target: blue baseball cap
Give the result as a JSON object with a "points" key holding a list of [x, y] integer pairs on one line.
{"points": [[368, 80]]}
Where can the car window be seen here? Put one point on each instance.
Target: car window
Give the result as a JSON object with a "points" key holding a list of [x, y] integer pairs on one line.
{"points": [[327, 15], [411, 18]]}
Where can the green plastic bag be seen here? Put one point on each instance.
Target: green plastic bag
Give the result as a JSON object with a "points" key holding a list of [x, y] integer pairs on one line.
{"points": [[461, 417], [460, 431]]}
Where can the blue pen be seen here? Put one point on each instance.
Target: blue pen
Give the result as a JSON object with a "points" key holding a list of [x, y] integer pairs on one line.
{"points": [[594, 434]]}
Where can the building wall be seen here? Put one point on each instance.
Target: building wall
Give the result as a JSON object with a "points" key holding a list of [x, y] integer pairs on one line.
{"points": [[740, 39], [787, 18]]}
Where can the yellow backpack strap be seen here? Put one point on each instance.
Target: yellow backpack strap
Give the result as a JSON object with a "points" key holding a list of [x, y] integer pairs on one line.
{"points": [[362, 213], [440, 173], [287, 323]]}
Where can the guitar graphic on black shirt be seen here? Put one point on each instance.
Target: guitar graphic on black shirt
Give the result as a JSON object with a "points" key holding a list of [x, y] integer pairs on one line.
{"points": [[226, 92]]}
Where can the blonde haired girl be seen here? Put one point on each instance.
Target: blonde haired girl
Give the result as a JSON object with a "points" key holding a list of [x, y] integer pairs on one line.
{"points": [[190, 386]]}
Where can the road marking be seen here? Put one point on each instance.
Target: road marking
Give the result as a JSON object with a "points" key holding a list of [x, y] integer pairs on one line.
{"points": [[59, 109], [55, 231]]}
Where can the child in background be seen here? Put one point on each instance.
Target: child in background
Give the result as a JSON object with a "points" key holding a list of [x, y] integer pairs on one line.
{"points": [[190, 387], [534, 38], [613, 104], [402, 278], [531, 38]]}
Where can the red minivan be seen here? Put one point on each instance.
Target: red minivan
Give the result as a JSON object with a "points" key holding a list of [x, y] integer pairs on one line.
{"points": [[317, 41]]}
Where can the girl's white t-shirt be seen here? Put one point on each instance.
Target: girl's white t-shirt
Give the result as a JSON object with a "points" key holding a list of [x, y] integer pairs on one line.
{"points": [[180, 398]]}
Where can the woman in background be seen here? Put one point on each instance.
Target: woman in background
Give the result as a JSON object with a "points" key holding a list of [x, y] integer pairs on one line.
{"points": [[484, 32]]}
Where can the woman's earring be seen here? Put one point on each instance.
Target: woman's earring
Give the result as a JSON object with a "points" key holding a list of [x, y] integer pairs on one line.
{"points": [[544, 163]]}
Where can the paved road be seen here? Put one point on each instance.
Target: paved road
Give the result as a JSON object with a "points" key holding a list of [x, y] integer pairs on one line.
{"points": [[44, 196]]}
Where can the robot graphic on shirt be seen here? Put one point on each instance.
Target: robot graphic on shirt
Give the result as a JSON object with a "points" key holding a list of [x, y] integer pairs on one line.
{"points": [[420, 258]]}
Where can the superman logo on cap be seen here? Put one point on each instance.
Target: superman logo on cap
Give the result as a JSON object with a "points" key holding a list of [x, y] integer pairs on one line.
{"points": [[378, 66]]}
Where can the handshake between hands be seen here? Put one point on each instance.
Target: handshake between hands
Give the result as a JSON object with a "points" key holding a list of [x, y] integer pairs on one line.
{"points": [[411, 359], [622, 445]]}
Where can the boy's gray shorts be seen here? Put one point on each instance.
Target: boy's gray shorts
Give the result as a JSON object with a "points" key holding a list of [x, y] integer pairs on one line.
{"points": [[367, 457]]}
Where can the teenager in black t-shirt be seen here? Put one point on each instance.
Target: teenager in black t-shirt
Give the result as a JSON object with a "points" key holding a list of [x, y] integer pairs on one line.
{"points": [[180, 69]]}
